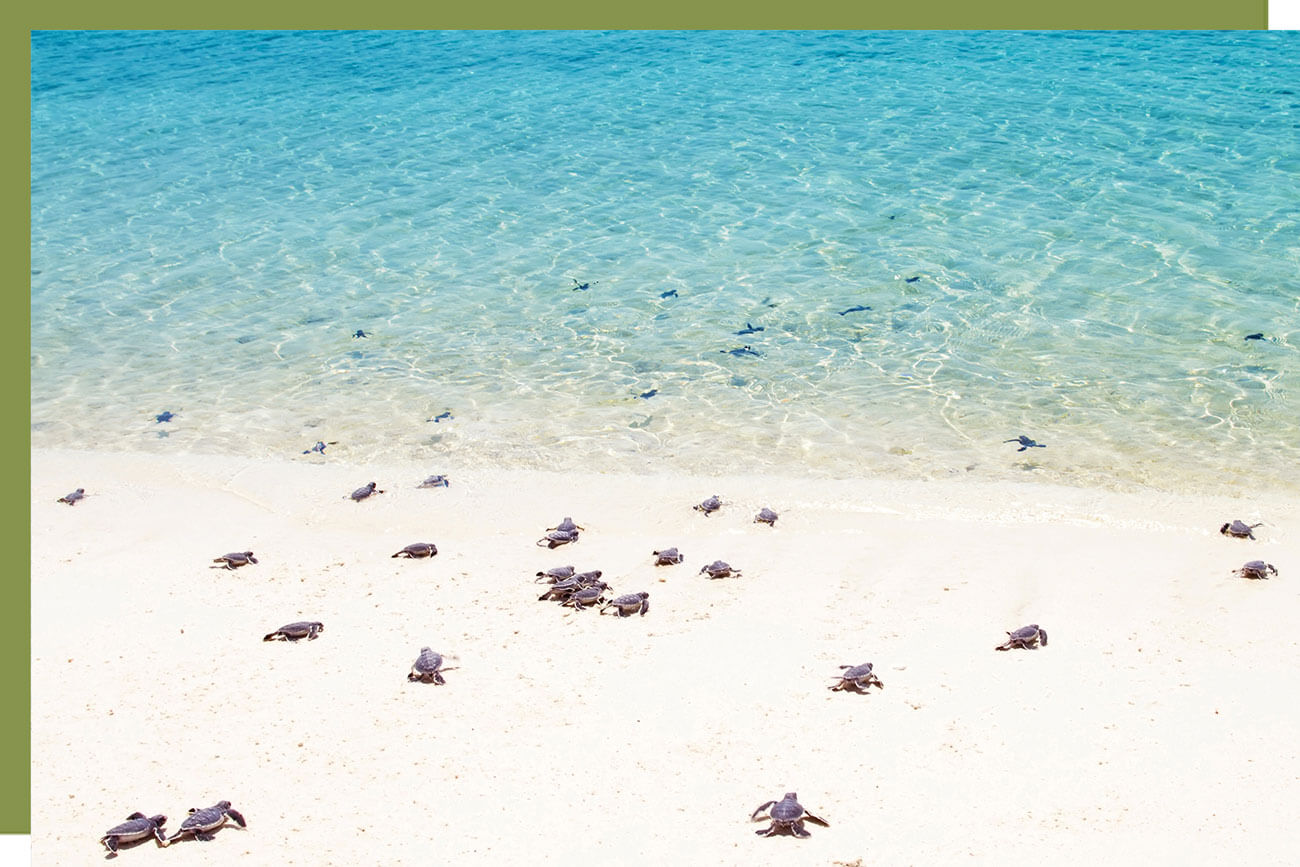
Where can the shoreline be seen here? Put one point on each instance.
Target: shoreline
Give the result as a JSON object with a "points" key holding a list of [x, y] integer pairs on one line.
{"points": [[566, 734]]}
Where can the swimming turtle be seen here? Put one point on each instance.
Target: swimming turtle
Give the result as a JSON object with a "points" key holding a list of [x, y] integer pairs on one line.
{"points": [[766, 516], [428, 667], [308, 629], [202, 822], [319, 448], [555, 573], [438, 481], [165, 415], [628, 603], [749, 329], [1239, 529], [858, 677], [585, 597], [418, 550], [555, 538], [1256, 569], [1026, 636], [720, 569], [235, 559], [741, 351], [856, 308], [361, 493], [1258, 335], [71, 499], [1025, 443], [671, 293], [709, 506], [787, 814], [360, 333], [445, 415], [668, 557], [646, 395], [582, 286], [136, 827]]}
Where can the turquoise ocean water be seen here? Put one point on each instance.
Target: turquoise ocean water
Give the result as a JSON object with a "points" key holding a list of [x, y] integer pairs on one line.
{"points": [[1063, 235]]}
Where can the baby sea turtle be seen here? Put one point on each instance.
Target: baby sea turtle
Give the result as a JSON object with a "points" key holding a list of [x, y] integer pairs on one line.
{"points": [[555, 538], [555, 573], [319, 448], [668, 557], [436, 482], [787, 814], [1026, 636], [856, 308], [671, 293], [742, 350], [1025, 443], [749, 329], [720, 569], [582, 287], [235, 559], [709, 506], [445, 415], [308, 629], [858, 677], [1256, 569], [566, 526], [593, 594], [418, 550], [428, 667], [646, 395], [136, 827], [564, 588], [361, 493], [165, 415], [1258, 335], [766, 516], [201, 823], [360, 333], [628, 603], [71, 499], [1239, 529]]}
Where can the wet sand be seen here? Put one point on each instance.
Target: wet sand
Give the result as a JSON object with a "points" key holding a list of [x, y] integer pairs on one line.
{"points": [[1158, 724]]}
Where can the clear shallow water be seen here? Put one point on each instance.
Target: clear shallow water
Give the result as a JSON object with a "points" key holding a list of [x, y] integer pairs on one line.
{"points": [[1064, 235]]}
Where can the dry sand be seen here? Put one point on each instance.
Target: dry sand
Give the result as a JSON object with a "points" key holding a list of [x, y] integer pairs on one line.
{"points": [[1158, 725]]}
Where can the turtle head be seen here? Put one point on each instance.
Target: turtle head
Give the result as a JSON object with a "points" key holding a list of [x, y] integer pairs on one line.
{"points": [[158, 820], [224, 805]]}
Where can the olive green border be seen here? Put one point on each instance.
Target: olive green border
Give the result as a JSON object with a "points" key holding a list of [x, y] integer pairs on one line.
{"points": [[15, 376]]}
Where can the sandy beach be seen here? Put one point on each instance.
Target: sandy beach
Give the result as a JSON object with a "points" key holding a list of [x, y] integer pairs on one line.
{"points": [[1157, 725]]}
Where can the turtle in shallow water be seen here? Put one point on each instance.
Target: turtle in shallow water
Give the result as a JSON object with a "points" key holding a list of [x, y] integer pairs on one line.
{"points": [[1239, 529], [1256, 569], [165, 415], [628, 603], [439, 481], [709, 506], [787, 814], [418, 551], [1026, 636], [71, 499], [555, 538], [361, 493], [136, 827], [555, 573], [1025, 443], [202, 822], [857, 677], [307, 629], [235, 559], [720, 569], [766, 516], [428, 667], [668, 557]]}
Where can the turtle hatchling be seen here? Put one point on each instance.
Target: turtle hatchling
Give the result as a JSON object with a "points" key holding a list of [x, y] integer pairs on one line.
{"points": [[1026, 636], [1239, 529], [428, 667], [71, 499], [361, 493], [857, 677], [235, 559], [1256, 569], [709, 506], [136, 827], [720, 569], [668, 557], [1025, 443], [566, 526], [787, 814], [418, 550], [201, 823], [307, 629], [585, 597], [435, 482], [555, 573], [565, 587], [555, 538], [629, 603], [766, 516]]}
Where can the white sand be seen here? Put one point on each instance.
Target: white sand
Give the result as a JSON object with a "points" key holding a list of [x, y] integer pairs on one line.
{"points": [[1159, 723]]}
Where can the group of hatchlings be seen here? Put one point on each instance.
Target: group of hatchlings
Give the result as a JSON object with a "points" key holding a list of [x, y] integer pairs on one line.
{"points": [[578, 590]]}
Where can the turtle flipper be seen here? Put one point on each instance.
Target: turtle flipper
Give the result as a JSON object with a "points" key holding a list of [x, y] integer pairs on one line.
{"points": [[797, 828], [760, 809], [203, 835], [816, 820], [237, 816], [1042, 636], [768, 831]]}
